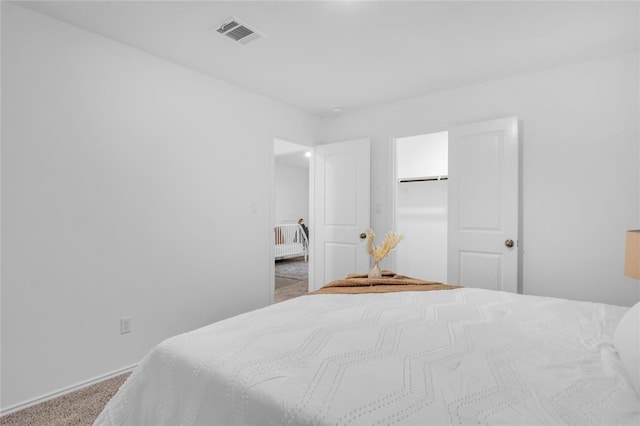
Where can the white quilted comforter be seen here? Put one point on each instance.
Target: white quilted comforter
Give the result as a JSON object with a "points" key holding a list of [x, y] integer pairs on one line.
{"points": [[462, 356]]}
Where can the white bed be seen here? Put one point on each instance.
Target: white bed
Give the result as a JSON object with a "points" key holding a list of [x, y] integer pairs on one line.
{"points": [[463, 356], [290, 241]]}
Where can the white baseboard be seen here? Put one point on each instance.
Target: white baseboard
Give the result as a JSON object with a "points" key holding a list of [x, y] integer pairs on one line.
{"points": [[63, 391]]}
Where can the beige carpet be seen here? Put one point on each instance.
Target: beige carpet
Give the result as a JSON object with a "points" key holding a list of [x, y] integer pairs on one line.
{"points": [[76, 408]]}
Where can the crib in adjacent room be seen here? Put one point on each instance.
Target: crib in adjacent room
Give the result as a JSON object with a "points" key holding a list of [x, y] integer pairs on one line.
{"points": [[290, 241]]}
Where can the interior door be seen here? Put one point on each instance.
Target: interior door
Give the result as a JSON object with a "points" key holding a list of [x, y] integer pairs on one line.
{"points": [[341, 196], [483, 205]]}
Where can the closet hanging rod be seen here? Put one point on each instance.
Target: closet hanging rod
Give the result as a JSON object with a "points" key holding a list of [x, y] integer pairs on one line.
{"points": [[423, 179]]}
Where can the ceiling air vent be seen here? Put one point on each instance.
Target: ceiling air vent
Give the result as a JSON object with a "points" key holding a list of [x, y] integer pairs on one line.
{"points": [[237, 31]]}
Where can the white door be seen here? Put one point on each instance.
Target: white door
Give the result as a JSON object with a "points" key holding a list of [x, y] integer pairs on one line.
{"points": [[341, 210], [483, 205]]}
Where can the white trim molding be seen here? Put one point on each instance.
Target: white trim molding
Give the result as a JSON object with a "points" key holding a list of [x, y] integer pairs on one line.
{"points": [[64, 391]]}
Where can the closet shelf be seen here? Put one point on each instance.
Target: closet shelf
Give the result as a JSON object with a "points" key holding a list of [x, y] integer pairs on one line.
{"points": [[422, 179]]}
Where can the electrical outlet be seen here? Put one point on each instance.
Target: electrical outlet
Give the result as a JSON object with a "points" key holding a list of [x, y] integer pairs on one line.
{"points": [[125, 325]]}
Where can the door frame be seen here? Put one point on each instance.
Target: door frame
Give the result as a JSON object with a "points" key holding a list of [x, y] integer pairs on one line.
{"points": [[272, 216], [394, 191], [394, 184]]}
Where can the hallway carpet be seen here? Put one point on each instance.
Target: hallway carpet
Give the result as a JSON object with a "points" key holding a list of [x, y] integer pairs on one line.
{"points": [[291, 278]]}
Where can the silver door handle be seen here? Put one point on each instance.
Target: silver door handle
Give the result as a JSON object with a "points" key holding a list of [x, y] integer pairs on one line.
{"points": [[509, 243]]}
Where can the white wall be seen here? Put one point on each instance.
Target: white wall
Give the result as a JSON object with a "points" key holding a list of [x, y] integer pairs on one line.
{"points": [[292, 193], [126, 191], [421, 216], [422, 156], [580, 166], [421, 207]]}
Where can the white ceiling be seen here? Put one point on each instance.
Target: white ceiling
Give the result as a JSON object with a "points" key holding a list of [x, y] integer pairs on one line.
{"points": [[323, 54]]}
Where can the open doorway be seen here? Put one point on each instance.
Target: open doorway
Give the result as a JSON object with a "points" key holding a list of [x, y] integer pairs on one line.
{"points": [[421, 194], [291, 214]]}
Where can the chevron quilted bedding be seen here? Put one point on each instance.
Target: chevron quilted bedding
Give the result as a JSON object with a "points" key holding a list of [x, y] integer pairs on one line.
{"points": [[462, 356]]}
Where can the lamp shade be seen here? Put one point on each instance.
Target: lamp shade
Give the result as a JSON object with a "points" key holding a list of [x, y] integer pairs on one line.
{"points": [[632, 255]]}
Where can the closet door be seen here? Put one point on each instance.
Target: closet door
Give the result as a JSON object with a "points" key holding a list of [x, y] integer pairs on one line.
{"points": [[483, 205]]}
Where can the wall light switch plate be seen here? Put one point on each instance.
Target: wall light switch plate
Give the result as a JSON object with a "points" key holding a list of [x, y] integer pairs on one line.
{"points": [[125, 325]]}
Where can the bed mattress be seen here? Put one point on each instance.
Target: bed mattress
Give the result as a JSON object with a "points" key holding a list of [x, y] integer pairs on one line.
{"points": [[462, 356]]}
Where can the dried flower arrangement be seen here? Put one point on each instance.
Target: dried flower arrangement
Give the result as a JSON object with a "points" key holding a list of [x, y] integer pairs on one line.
{"points": [[378, 253]]}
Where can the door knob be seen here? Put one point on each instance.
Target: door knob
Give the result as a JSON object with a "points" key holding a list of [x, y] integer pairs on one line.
{"points": [[509, 243], [363, 235]]}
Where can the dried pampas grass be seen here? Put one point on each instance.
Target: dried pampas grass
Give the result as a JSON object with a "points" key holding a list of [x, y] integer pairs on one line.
{"points": [[390, 242]]}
